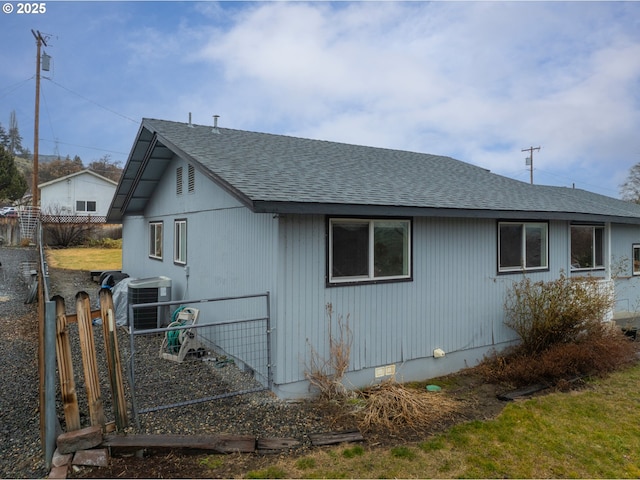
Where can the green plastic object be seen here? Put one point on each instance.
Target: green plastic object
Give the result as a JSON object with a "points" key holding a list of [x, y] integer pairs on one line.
{"points": [[433, 388]]}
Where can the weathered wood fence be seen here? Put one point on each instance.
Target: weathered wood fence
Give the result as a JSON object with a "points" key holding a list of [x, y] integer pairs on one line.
{"points": [[84, 317]]}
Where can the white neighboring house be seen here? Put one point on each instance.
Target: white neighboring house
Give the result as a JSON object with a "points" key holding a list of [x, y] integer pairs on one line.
{"points": [[79, 194]]}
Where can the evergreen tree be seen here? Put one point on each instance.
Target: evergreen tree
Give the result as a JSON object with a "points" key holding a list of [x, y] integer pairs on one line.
{"points": [[4, 137], [12, 183], [15, 139]]}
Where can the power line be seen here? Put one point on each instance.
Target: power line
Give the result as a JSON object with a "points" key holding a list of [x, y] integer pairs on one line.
{"points": [[94, 102], [84, 146], [15, 86]]}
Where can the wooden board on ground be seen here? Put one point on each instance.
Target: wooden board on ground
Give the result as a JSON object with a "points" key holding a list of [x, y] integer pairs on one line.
{"points": [[265, 444], [216, 443], [331, 438], [522, 392]]}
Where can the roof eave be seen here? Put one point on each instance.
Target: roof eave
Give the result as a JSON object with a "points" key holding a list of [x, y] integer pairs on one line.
{"points": [[416, 211]]}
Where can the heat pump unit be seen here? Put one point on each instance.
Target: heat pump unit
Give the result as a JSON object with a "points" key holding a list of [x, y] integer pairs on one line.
{"points": [[149, 290]]}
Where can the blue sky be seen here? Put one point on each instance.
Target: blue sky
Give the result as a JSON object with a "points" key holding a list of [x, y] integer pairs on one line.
{"points": [[477, 81]]}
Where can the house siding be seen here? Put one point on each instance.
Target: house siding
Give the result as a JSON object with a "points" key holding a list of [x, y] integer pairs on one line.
{"points": [[230, 250], [60, 198], [455, 301], [627, 286]]}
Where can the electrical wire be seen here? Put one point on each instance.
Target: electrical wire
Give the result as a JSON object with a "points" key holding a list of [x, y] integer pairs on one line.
{"points": [[84, 146], [94, 102], [46, 107], [16, 86]]}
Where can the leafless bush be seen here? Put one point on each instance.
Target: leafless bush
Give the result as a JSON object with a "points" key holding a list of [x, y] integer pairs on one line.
{"points": [[65, 230], [544, 314], [591, 356], [563, 334], [327, 374]]}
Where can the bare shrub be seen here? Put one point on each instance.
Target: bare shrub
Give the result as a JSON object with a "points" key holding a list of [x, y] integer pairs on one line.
{"points": [[392, 407], [327, 374], [65, 230], [558, 311], [593, 355]]}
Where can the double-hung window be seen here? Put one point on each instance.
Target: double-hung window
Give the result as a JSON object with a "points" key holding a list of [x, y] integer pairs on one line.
{"points": [[366, 250], [155, 240], [523, 246], [180, 242], [587, 247]]}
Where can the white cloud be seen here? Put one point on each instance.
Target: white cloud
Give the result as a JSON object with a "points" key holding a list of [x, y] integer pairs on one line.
{"points": [[475, 80]]}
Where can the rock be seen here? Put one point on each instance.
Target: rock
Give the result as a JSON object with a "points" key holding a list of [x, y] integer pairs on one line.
{"points": [[59, 472], [82, 439], [61, 459], [98, 457]]}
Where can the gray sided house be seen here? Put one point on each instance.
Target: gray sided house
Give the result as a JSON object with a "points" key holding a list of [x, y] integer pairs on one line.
{"points": [[415, 252]]}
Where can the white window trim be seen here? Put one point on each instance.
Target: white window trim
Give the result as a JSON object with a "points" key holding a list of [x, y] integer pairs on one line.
{"points": [[153, 232], [523, 251], [180, 240], [371, 277], [593, 238], [85, 206]]}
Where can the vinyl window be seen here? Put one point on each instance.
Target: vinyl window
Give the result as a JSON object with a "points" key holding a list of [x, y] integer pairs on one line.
{"points": [[523, 246], [180, 242], [85, 206], [365, 250], [587, 247], [155, 240], [636, 259]]}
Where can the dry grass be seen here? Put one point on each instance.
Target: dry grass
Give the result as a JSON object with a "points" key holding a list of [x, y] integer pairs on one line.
{"points": [[326, 374], [85, 258], [393, 407]]}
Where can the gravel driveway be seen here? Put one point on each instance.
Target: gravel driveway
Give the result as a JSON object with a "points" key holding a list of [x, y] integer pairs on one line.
{"points": [[20, 452]]}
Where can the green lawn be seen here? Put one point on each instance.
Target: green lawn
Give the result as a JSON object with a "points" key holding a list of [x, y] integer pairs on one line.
{"points": [[591, 433]]}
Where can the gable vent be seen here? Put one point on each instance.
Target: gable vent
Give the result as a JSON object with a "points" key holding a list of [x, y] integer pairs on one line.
{"points": [[179, 181], [192, 179]]}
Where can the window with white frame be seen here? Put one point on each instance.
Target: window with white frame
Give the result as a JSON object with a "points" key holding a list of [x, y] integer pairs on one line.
{"points": [[362, 250], [155, 240], [587, 247], [85, 206], [636, 259], [523, 246], [180, 241]]}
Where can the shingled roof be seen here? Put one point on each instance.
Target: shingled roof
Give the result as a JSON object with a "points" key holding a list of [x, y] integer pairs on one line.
{"points": [[283, 174]]}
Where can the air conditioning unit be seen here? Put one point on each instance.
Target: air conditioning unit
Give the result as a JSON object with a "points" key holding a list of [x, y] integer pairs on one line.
{"points": [[149, 290]]}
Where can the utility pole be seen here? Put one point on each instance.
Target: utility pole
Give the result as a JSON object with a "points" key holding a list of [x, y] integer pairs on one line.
{"points": [[40, 40], [530, 159]]}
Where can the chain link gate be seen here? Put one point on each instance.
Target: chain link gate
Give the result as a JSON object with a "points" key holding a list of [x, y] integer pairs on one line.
{"points": [[194, 360]]}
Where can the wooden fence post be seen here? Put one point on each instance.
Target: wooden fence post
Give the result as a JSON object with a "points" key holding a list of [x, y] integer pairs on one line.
{"points": [[113, 358], [65, 368], [89, 361]]}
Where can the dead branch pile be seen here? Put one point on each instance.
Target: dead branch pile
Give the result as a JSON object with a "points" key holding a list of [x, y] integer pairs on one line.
{"points": [[394, 407]]}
